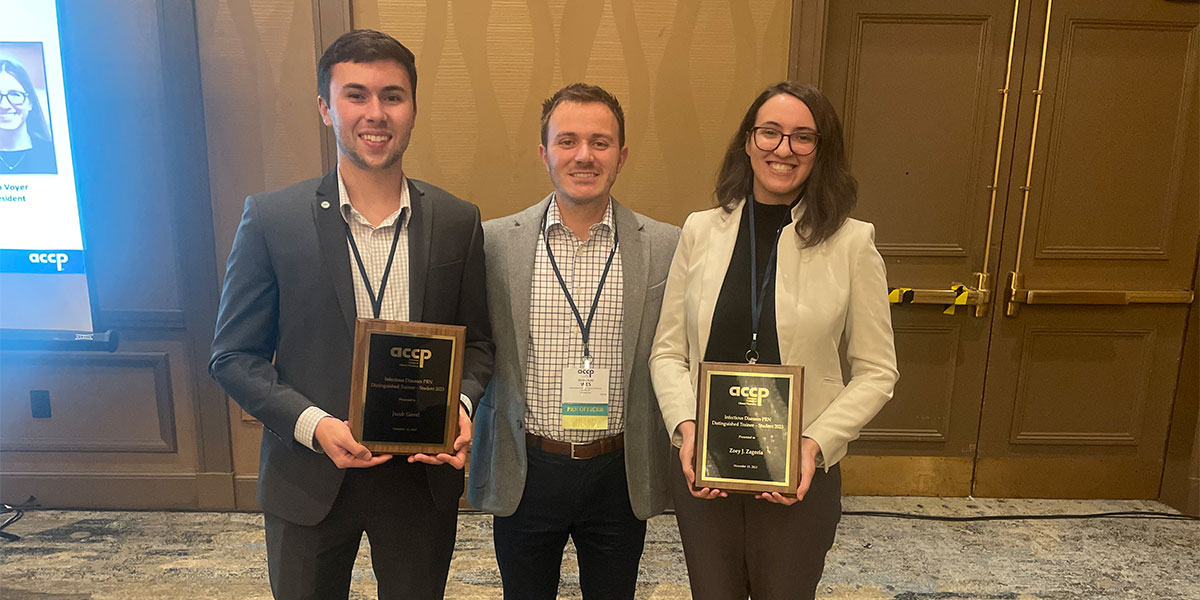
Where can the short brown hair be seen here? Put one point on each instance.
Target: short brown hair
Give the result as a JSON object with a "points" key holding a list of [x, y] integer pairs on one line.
{"points": [[583, 93], [830, 191], [364, 46]]}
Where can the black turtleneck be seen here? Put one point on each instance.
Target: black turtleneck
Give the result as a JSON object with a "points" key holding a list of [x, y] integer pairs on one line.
{"points": [[729, 336]]}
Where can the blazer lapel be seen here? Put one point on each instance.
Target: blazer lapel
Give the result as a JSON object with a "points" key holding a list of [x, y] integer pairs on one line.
{"points": [[634, 270], [521, 253], [792, 264], [420, 238], [335, 257], [716, 264]]}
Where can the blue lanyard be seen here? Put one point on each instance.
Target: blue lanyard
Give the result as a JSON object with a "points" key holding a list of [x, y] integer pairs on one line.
{"points": [[376, 301], [758, 293], [585, 329]]}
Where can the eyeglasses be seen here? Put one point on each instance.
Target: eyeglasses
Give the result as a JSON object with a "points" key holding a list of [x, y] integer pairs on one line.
{"points": [[15, 97], [801, 143]]}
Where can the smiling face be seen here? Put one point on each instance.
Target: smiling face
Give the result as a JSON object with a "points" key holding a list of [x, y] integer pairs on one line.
{"points": [[583, 155], [12, 115], [372, 110], [779, 174]]}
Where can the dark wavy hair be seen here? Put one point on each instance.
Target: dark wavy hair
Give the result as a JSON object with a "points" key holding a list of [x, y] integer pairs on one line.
{"points": [[364, 46], [830, 191], [584, 93], [35, 122]]}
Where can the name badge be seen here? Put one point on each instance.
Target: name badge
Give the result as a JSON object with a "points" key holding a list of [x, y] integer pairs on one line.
{"points": [[585, 398]]}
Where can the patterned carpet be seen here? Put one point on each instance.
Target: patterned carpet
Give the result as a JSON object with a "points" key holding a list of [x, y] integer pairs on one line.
{"points": [[102, 555]]}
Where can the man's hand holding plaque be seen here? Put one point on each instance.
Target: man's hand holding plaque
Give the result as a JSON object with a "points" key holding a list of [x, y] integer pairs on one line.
{"points": [[462, 443], [333, 437]]}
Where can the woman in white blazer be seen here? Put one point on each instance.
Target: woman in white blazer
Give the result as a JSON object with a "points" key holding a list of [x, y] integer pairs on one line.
{"points": [[786, 161]]}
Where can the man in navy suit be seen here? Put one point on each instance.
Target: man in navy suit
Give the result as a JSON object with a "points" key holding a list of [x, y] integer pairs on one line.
{"points": [[362, 241]]}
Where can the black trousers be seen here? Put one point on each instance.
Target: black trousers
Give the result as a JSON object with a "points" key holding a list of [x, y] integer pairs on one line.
{"points": [[586, 500], [739, 546], [412, 538]]}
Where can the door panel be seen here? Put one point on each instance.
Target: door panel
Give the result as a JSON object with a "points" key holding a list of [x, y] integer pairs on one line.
{"points": [[1078, 395], [1112, 195], [1057, 140], [919, 88], [916, 84], [1077, 402]]}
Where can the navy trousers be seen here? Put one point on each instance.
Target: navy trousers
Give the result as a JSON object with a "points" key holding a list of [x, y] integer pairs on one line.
{"points": [[585, 500]]}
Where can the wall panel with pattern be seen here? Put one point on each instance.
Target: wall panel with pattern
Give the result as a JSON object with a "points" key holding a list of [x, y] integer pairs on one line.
{"points": [[258, 66], [684, 72]]}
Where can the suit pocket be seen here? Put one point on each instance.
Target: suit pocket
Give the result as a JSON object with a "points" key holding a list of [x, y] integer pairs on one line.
{"points": [[830, 388], [451, 264], [655, 292]]}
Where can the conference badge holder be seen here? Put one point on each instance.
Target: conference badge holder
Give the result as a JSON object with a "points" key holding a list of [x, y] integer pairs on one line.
{"points": [[585, 397]]}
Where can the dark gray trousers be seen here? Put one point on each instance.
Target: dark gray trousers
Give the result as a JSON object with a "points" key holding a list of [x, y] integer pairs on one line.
{"points": [[411, 538]]}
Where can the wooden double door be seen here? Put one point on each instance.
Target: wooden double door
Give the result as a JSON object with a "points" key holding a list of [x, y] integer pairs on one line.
{"points": [[1034, 166]]}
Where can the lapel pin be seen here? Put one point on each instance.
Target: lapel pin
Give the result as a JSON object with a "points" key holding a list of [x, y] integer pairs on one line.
{"points": [[325, 204]]}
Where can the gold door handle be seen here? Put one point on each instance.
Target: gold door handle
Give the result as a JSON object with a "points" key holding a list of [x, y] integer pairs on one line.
{"points": [[1099, 297], [903, 295], [957, 294], [1020, 295]]}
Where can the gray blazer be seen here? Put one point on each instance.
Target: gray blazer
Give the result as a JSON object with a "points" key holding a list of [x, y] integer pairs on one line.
{"points": [[285, 329], [498, 459]]}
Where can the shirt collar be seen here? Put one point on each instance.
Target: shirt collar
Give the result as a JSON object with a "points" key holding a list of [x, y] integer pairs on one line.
{"points": [[349, 212], [553, 217]]}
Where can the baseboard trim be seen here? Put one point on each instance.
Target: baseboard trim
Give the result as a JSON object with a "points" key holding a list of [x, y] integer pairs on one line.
{"points": [[127, 491], [215, 491], [906, 476], [245, 492]]}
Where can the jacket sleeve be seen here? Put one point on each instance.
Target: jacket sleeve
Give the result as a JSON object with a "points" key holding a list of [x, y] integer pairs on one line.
{"points": [[248, 330], [669, 363], [479, 355], [870, 350]]}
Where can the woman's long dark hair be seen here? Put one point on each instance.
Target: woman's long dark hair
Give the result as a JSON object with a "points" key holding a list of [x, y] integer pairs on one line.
{"points": [[35, 121], [830, 191]]}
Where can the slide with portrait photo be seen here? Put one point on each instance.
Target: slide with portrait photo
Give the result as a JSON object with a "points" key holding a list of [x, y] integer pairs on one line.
{"points": [[43, 281]]}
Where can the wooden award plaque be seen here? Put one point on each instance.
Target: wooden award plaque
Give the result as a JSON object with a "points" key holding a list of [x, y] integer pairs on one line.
{"points": [[404, 392], [748, 427]]}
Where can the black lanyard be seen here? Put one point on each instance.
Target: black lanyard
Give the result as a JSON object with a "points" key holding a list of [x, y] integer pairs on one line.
{"points": [[376, 301], [585, 329], [758, 294]]}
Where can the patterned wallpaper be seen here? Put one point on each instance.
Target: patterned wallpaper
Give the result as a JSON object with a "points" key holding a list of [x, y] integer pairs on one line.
{"points": [[258, 68], [684, 72]]}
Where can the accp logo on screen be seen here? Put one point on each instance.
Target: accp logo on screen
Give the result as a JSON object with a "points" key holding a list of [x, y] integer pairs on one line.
{"points": [[58, 259]]}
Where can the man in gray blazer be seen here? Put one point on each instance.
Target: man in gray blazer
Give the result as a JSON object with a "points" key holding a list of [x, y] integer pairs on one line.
{"points": [[568, 441], [363, 241]]}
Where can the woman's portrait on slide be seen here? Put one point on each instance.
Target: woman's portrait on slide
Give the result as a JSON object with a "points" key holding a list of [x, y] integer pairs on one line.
{"points": [[26, 141]]}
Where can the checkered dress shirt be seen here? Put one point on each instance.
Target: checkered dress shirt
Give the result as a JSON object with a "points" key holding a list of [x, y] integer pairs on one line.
{"points": [[374, 244], [555, 341]]}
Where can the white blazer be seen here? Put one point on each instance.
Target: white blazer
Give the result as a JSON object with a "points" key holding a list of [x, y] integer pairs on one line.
{"points": [[833, 290]]}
